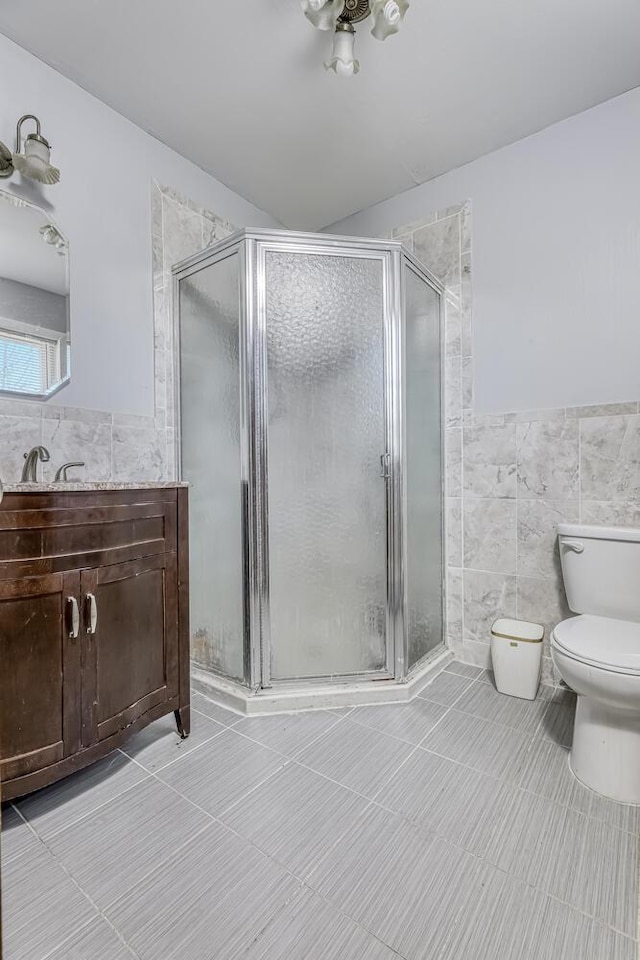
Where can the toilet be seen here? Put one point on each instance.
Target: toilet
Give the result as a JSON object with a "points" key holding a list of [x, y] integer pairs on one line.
{"points": [[598, 655]]}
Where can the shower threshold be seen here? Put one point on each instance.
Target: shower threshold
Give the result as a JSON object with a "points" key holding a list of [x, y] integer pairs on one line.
{"points": [[314, 695]]}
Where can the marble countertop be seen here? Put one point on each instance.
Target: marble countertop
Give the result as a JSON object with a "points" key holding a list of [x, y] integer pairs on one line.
{"points": [[71, 485]]}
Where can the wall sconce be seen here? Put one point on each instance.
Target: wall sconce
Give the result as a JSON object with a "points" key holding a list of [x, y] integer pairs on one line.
{"points": [[34, 161]]}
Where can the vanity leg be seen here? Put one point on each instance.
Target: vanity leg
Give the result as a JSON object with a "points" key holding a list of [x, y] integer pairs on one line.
{"points": [[183, 721]]}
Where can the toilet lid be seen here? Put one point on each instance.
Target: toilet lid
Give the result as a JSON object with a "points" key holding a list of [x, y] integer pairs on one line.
{"points": [[602, 641]]}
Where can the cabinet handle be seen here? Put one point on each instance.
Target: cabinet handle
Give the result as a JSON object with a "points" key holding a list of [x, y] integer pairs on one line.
{"points": [[92, 613], [73, 618]]}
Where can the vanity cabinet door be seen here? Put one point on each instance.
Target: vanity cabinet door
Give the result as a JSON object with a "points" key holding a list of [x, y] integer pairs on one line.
{"points": [[40, 655], [130, 645]]}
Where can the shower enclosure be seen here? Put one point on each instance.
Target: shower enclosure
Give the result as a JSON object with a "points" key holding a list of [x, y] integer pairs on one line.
{"points": [[310, 431]]}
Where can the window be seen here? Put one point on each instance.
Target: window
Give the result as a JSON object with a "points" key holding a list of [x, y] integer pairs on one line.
{"points": [[28, 364]]}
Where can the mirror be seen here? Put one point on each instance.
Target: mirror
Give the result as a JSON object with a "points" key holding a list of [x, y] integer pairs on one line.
{"points": [[34, 301]]}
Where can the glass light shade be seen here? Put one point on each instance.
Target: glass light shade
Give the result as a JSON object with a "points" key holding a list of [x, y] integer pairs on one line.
{"points": [[323, 14], [387, 16], [342, 61], [34, 162]]}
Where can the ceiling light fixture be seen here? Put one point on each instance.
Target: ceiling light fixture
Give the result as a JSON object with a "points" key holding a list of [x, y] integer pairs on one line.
{"points": [[34, 162], [340, 16]]}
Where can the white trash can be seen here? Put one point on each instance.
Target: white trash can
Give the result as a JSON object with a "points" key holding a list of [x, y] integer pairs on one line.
{"points": [[516, 652]]}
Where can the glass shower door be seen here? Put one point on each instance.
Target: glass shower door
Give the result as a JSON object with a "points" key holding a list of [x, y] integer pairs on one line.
{"points": [[327, 429], [210, 408], [423, 467]]}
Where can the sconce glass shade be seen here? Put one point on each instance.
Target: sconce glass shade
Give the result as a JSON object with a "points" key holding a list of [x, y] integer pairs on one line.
{"points": [[342, 61], [387, 16], [323, 14], [34, 162]]}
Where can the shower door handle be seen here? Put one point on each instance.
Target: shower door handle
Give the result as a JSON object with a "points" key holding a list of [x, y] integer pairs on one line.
{"points": [[385, 465]]}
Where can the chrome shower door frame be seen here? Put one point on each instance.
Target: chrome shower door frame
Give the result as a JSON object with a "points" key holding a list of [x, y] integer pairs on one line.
{"points": [[407, 261], [263, 242], [233, 245]]}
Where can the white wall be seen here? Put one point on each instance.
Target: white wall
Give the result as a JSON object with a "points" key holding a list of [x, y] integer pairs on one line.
{"points": [[103, 204], [556, 260]]}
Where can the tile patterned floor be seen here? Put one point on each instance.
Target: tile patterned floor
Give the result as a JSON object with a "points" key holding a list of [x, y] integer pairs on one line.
{"points": [[449, 828]]}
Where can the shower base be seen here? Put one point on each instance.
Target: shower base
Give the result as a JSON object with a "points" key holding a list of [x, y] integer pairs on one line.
{"points": [[314, 694]]}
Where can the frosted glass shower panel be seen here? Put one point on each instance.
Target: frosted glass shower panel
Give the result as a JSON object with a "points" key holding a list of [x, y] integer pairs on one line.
{"points": [[423, 467], [326, 432], [210, 431]]}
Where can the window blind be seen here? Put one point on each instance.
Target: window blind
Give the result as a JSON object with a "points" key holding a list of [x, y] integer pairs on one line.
{"points": [[28, 364]]}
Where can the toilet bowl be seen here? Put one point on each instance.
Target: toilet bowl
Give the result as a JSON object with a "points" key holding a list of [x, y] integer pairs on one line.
{"points": [[598, 655], [590, 653]]}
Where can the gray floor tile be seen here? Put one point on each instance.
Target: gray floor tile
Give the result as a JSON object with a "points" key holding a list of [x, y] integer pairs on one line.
{"points": [[296, 817], [404, 886], [445, 688], [488, 747], [606, 885], [97, 941], [17, 838], [159, 743], [622, 816], [582, 862], [222, 771], [541, 843], [311, 929], [407, 721], [564, 932], [356, 756], [483, 701], [548, 692], [487, 676], [545, 690], [559, 694], [111, 849], [41, 906], [61, 804], [546, 771], [606, 943], [457, 803], [212, 901], [557, 723], [463, 669], [502, 923], [288, 733], [513, 921], [214, 710]]}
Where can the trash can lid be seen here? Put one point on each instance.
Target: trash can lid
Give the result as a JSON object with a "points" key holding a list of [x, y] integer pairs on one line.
{"points": [[518, 630]]}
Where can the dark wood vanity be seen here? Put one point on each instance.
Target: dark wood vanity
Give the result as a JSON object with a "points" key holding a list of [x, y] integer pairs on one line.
{"points": [[94, 631]]}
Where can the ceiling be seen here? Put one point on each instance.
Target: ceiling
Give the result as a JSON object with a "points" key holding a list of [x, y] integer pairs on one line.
{"points": [[239, 87]]}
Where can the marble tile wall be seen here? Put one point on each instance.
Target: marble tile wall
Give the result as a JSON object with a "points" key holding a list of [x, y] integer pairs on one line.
{"points": [[179, 229], [512, 477], [119, 446]]}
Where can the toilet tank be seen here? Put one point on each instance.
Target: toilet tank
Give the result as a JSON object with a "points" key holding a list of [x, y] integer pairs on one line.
{"points": [[601, 569]]}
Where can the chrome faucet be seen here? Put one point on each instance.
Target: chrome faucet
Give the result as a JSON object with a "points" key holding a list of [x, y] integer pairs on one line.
{"points": [[61, 473], [29, 470]]}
